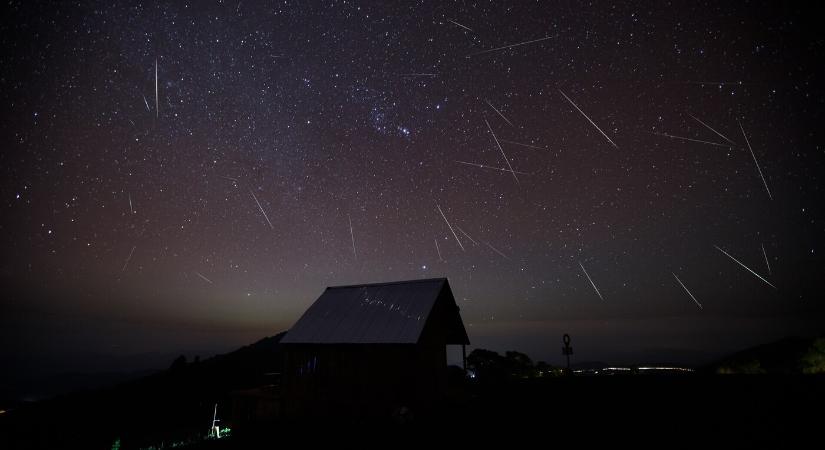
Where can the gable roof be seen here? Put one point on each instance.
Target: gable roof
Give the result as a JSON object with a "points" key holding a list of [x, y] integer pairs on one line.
{"points": [[381, 313]]}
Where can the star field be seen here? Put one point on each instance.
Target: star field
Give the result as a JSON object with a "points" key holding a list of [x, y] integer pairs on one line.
{"points": [[215, 165]]}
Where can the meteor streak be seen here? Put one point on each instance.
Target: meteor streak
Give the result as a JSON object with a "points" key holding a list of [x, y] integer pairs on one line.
{"points": [[746, 267], [460, 25], [508, 46], [690, 139], [450, 226], [129, 258], [499, 113], [711, 129], [755, 161], [262, 209], [157, 110], [495, 249], [204, 278], [588, 119], [352, 235], [502, 151], [686, 290], [483, 166], [591, 281]]}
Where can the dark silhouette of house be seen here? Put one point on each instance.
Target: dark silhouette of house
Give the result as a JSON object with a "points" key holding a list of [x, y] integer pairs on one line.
{"points": [[372, 350]]}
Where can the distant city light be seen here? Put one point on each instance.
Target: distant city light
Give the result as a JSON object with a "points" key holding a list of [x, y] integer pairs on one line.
{"points": [[630, 369]]}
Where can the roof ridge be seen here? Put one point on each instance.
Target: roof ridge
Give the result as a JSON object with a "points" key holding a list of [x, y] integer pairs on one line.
{"points": [[396, 312], [389, 283]]}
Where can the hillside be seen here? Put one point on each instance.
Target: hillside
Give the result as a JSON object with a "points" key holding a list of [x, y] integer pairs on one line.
{"points": [[177, 404], [787, 356], [168, 405]]}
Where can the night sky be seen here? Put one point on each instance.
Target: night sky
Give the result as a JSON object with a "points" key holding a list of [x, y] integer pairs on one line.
{"points": [[190, 177]]}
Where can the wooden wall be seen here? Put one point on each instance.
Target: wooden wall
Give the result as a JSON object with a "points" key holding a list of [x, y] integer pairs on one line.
{"points": [[362, 380]]}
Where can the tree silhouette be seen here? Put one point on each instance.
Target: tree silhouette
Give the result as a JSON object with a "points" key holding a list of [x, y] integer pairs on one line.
{"points": [[178, 364], [518, 365], [486, 364], [490, 366], [813, 361]]}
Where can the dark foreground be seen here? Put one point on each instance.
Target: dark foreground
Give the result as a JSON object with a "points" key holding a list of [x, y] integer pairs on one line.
{"points": [[620, 410]]}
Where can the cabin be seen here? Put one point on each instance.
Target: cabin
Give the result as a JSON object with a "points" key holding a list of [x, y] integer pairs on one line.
{"points": [[372, 350]]}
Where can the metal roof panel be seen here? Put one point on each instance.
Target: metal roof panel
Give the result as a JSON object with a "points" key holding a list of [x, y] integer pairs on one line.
{"points": [[382, 313]]}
